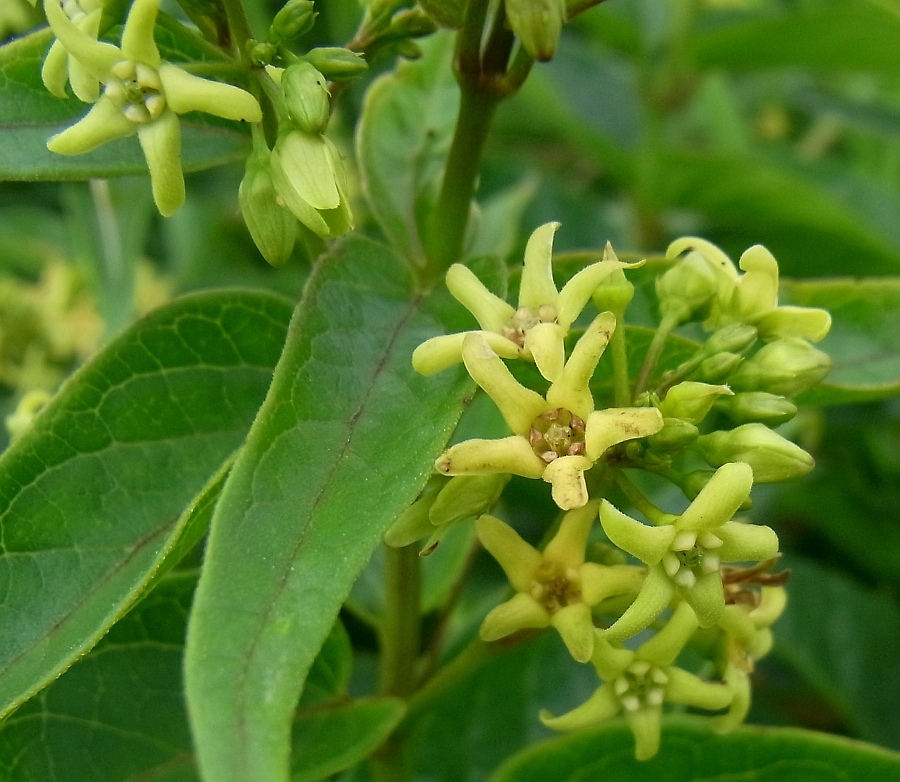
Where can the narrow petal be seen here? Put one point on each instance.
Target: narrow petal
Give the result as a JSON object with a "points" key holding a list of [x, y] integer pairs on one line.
{"points": [[608, 660], [544, 342], [290, 199], [96, 56], [804, 322], [438, 353], [599, 582], [518, 405], [186, 92], [566, 475], [567, 545], [478, 457], [736, 621], [656, 593], [747, 542], [646, 543], [537, 287], [137, 35], [576, 628], [606, 428], [667, 644], [708, 250], [103, 123], [707, 598], [521, 612], [720, 499], [572, 389], [54, 71], [161, 142], [739, 683], [518, 559], [645, 724], [601, 706], [307, 166], [578, 290], [690, 690], [491, 312], [84, 83]]}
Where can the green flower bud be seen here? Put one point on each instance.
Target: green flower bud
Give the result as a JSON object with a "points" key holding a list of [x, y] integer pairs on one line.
{"points": [[414, 523], [614, 292], [412, 23], [306, 96], [771, 457], [296, 18], [273, 228], [19, 422], [717, 368], [336, 63], [675, 435], [734, 338], [465, 496], [538, 24], [261, 53], [694, 482], [691, 401], [687, 288], [786, 367], [768, 409], [408, 50]]}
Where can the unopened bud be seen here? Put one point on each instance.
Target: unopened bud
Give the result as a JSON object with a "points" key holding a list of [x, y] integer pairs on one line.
{"points": [[694, 482], [296, 18], [718, 368], [336, 63], [26, 411], [615, 292], [675, 435], [538, 24], [412, 23], [414, 523], [273, 228], [771, 457], [734, 338], [260, 52], [466, 496], [408, 50], [306, 96], [749, 406], [786, 367], [688, 287], [691, 401]]}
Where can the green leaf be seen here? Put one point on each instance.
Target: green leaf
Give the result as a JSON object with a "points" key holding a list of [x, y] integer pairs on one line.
{"points": [[691, 752], [330, 740], [403, 139], [329, 674], [29, 115], [864, 342], [90, 498], [841, 638], [857, 36], [345, 440]]}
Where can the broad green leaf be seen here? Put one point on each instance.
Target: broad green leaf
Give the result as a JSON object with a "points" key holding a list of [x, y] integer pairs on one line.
{"points": [[834, 36], [403, 140], [842, 639], [327, 741], [329, 674], [29, 115], [864, 342], [691, 752], [90, 497], [345, 440]]}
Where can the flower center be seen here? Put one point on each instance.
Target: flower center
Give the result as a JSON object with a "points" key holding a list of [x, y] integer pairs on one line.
{"points": [[640, 685], [526, 318], [555, 586], [691, 556], [137, 90], [557, 433]]}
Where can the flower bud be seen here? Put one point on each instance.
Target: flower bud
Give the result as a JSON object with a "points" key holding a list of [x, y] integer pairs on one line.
{"points": [[273, 228], [694, 482], [734, 338], [768, 409], [771, 457], [296, 18], [467, 495], [538, 24], [412, 23], [615, 292], [336, 63], [19, 422], [688, 287], [786, 367], [414, 523], [675, 435], [691, 401], [719, 367], [306, 96]]}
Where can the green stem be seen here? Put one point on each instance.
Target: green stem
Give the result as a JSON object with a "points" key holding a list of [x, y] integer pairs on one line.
{"points": [[619, 347], [636, 498], [238, 26], [653, 353], [400, 634]]}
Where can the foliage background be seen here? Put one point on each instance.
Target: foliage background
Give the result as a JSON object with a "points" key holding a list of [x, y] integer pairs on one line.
{"points": [[757, 121]]}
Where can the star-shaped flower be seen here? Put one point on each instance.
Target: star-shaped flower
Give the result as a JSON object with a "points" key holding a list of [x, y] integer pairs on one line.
{"points": [[536, 329], [684, 555], [61, 67], [554, 588], [637, 684], [142, 95], [556, 438]]}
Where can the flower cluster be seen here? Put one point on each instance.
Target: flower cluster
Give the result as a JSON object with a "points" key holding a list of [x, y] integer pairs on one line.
{"points": [[698, 577]]}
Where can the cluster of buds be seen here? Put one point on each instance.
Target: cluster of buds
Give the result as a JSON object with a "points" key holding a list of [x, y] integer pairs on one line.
{"points": [[699, 577]]}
